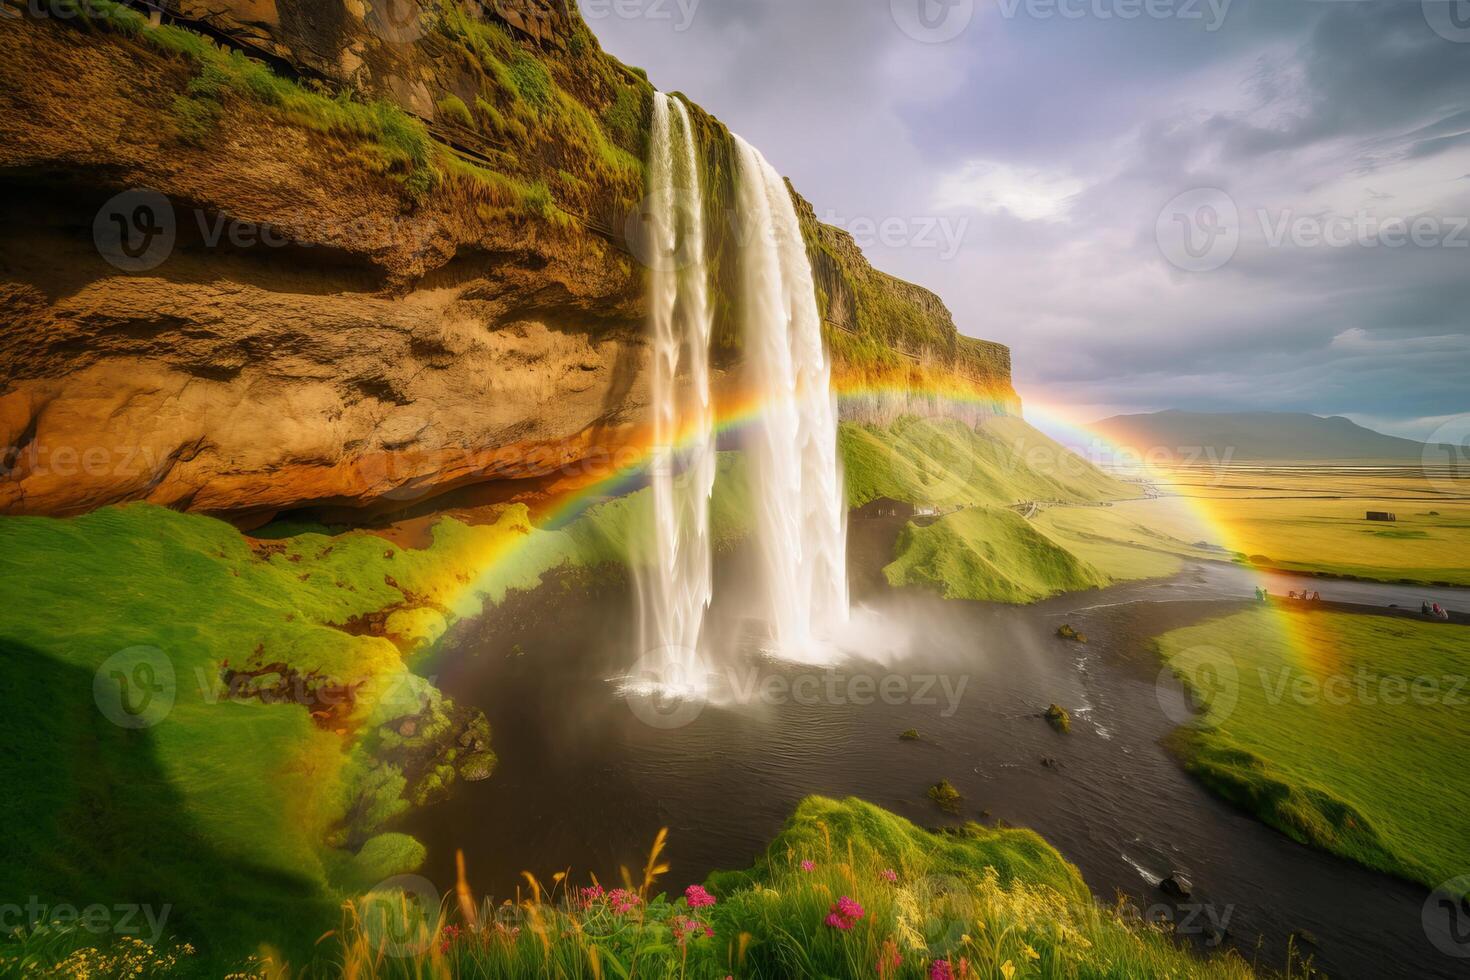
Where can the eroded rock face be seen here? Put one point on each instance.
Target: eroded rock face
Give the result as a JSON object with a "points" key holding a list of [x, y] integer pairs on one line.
{"points": [[311, 338]]}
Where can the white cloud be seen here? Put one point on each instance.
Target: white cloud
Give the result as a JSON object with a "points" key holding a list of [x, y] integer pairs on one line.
{"points": [[991, 187]]}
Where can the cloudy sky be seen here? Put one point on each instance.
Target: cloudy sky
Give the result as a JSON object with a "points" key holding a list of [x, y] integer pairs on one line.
{"points": [[1203, 204]]}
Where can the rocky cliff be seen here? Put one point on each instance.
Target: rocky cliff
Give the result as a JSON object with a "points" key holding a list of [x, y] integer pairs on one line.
{"points": [[265, 254]]}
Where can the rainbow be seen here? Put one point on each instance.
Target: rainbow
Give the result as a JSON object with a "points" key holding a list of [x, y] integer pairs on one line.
{"points": [[562, 504]]}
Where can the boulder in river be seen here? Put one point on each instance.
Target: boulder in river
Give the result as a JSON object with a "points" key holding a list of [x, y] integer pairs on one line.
{"points": [[1176, 885]]}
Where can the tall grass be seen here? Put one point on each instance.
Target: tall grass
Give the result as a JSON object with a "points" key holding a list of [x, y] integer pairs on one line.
{"points": [[847, 890]]}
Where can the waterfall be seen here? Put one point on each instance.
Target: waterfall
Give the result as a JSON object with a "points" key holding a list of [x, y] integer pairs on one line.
{"points": [[674, 580], [801, 514]]}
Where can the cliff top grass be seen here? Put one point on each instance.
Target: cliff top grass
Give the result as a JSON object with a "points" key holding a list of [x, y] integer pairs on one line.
{"points": [[1344, 732]]}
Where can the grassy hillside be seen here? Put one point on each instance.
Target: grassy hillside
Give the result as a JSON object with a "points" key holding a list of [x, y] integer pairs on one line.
{"points": [[1344, 732], [1030, 520], [946, 463], [986, 553]]}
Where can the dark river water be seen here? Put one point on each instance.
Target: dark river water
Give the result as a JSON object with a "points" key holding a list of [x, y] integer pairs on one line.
{"points": [[585, 780]]}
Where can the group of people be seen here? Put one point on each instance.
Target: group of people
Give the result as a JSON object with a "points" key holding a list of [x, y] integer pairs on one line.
{"points": [[1435, 611], [1303, 596]]}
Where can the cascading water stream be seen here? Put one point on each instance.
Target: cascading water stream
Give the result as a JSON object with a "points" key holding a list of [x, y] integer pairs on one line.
{"points": [[801, 516], [674, 580]]}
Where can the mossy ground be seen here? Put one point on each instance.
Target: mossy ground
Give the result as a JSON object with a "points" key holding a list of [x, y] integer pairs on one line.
{"points": [[1345, 732]]}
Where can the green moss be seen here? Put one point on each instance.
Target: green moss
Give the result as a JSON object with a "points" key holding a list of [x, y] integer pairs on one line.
{"points": [[453, 109], [944, 794]]}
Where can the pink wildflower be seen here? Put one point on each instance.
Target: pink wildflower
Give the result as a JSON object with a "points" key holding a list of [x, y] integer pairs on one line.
{"points": [[623, 901], [589, 895], [808, 865], [844, 913], [940, 970], [448, 935], [698, 897], [889, 875]]}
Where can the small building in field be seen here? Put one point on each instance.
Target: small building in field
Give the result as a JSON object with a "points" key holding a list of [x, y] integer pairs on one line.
{"points": [[1382, 515], [884, 507]]}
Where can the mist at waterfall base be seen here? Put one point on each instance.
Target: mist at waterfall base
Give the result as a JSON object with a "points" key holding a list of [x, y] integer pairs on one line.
{"points": [[800, 610]]}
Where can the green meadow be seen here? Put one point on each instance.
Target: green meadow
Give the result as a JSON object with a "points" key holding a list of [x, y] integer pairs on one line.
{"points": [[1344, 732]]}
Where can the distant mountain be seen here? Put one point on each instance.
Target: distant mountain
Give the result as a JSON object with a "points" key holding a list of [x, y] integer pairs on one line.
{"points": [[1254, 435]]}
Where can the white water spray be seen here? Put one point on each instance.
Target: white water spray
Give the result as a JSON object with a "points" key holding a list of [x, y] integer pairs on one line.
{"points": [[801, 517], [674, 581]]}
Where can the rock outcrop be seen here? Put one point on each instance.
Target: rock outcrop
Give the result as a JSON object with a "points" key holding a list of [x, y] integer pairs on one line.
{"points": [[358, 304]]}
